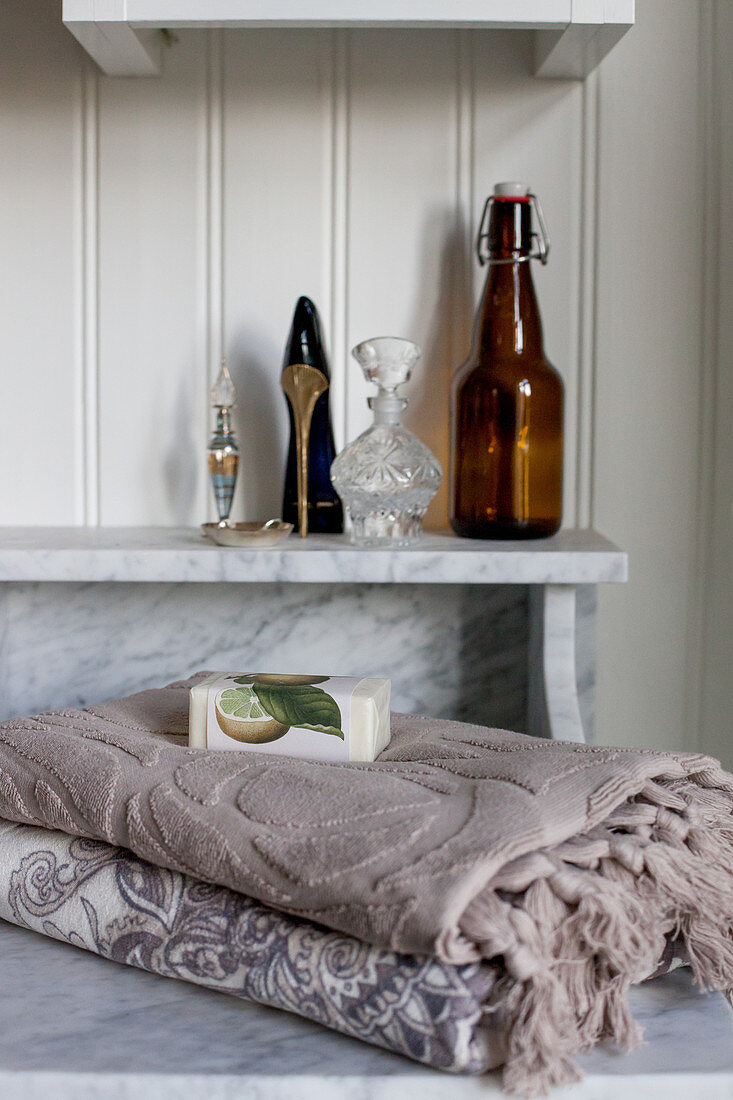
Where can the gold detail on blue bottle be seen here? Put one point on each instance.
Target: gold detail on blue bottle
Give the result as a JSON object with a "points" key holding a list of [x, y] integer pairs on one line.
{"points": [[302, 385], [325, 512]]}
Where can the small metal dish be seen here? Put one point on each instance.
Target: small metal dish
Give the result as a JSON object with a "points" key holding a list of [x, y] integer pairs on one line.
{"points": [[253, 535]]}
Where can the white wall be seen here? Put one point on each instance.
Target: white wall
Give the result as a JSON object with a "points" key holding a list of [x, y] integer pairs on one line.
{"points": [[648, 369], [153, 225], [716, 680]]}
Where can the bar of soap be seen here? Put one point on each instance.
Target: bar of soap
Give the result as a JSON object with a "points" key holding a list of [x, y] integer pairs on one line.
{"points": [[314, 717]]}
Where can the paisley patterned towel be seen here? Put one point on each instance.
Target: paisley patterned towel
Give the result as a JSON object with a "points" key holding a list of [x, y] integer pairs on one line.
{"points": [[567, 865], [107, 901]]}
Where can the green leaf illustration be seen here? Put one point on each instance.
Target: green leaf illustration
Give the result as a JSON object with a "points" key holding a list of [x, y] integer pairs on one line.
{"points": [[302, 705]]}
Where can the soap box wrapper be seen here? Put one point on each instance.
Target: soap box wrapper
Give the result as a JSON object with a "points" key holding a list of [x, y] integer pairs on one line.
{"points": [[333, 718]]}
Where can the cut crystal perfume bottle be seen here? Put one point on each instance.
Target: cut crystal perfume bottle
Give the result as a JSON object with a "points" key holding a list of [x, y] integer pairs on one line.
{"points": [[223, 452], [387, 477]]}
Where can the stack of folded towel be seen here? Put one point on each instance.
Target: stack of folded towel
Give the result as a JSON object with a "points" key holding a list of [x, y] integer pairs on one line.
{"points": [[474, 898]]}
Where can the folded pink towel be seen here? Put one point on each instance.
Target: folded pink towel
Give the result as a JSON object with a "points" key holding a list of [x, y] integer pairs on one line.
{"points": [[570, 865]]}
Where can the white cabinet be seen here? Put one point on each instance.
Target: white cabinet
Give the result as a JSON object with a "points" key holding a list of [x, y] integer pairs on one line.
{"points": [[571, 36]]}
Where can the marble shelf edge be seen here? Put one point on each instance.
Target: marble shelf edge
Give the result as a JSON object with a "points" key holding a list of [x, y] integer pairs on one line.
{"points": [[151, 554], [553, 569]]}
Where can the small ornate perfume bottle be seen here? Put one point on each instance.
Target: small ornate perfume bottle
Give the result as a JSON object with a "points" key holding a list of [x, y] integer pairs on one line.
{"points": [[223, 451], [386, 477]]}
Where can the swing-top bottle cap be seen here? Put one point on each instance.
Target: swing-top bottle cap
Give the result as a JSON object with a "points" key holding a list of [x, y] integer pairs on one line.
{"points": [[510, 189]]}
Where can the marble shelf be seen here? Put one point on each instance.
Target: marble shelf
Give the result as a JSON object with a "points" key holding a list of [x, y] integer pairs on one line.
{"points": [[77, 1027], [184, 555], [551, 568]]}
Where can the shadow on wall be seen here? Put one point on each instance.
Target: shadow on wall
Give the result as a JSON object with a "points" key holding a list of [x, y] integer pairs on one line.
{"points": [[183, 464], [260, 421], [443, 326]]}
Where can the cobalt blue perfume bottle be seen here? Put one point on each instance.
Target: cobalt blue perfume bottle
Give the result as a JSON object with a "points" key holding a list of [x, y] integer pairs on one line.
{"points": [[324, 509]]}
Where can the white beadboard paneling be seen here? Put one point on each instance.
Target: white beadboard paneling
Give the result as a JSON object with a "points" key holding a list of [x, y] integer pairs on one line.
{"points": [[532, 130], [86, 295], [466, 269], [150, 225], [648, 362], [406, 251], [211, 226], [152, 381], [337, 229], [40, 177], [277, 206], [587, 305]]}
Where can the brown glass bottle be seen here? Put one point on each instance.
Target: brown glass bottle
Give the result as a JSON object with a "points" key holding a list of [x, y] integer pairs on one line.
{"points": [[507, 399]]}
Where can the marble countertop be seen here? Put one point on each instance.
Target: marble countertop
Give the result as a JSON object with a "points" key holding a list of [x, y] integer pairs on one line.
{"points": [[77, 1027], [572, 556]]}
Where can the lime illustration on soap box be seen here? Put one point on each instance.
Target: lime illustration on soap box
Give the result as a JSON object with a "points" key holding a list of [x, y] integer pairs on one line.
{"points": [[329, 718], [259, 708]]}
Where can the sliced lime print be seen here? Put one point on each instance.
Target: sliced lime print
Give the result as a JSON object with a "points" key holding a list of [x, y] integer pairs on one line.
{"points": [[241, 703]]}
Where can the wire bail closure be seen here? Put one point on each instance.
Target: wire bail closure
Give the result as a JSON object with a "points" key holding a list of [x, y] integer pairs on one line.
{"points": [[541, 237]]}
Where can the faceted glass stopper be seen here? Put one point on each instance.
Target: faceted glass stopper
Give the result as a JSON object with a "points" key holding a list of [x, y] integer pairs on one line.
{"points": [[387, 360], [223, 394]]}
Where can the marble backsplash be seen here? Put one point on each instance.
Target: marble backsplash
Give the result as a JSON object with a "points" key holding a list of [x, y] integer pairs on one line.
{"points": [[453, 651]]}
